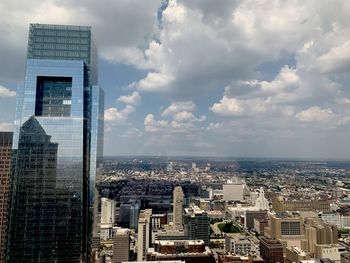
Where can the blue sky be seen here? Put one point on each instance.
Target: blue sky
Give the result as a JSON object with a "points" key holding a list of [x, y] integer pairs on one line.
{"points": [[200, 77]]}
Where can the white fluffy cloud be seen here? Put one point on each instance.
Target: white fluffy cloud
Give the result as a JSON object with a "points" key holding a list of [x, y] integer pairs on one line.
{"points": [[115, 116], [153, 125], [315, 114], [133, 99], [5, 92], [185, 116], [235, 107], [132, 22], [179, 106]]}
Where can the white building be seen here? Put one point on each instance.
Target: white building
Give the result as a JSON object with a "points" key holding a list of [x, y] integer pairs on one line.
{"points": [[233, 191], [107, 210], [332, 251], [261, 202], [341, 221], [238, 244], [106, 231]]}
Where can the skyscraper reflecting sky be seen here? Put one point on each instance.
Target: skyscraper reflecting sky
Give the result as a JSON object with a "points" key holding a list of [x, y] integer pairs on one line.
{"points": [[57, 145]]}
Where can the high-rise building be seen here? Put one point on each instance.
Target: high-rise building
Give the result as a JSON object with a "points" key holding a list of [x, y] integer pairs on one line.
{"points": [[121, 245], [134, 215], [144, 234], [107, 210], [271, 250], [57, 145], [198, 224], [5, 168], [178, 198]]}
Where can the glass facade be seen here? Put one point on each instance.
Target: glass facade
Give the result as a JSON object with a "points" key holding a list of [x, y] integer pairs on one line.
{"points": [[57, 144]]}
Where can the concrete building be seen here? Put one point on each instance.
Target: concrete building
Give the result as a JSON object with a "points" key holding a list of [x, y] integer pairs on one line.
{"points": [[233, 191], [238, 244], [144, 234], [295, 254], [204, 204], [198, 224], [331, 251], [178, 197], [318, 232], [260, 224], [107, 210], [5, 169], [271, 250], [287, 229], [233, 258], [121, 245], [249, 217], [158, 220], [341, 221], [191, 251], [281, 205], [106, 231]]}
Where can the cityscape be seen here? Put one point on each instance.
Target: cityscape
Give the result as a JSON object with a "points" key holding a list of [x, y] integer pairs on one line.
{"points": [[175, 131]]}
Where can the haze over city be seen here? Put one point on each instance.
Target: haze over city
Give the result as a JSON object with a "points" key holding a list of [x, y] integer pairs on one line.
{"points": [[213, 78]]}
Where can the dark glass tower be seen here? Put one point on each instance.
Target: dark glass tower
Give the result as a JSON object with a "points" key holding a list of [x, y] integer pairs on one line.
{"points": [[57, 145]]}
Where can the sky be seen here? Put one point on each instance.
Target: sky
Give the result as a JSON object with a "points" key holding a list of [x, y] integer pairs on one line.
{"points": [[238, 78]]}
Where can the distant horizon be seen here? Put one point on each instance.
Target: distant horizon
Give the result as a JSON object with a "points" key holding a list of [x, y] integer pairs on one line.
{"points": [[233, 157]]}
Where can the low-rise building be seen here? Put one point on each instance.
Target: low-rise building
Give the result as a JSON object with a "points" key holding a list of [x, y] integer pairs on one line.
{"points": [[238, 244], [190, 251]]}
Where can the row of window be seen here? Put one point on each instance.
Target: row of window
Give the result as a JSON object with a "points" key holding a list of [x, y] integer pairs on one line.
{"points": [[61, 46], [61, 53], [62, 40], [61, 33]]}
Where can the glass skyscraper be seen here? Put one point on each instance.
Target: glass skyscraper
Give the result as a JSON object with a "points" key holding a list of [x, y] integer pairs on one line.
{"points": [[57, 146]]}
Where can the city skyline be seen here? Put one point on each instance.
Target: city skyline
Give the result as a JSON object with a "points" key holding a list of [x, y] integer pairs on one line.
{"points": [[234, 78]]}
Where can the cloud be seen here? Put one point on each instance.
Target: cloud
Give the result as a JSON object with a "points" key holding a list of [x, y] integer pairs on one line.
{"points": [[133, 99], [337, 59], [235, 107], [185, 116], [134, 22], [115, 116], [5, 92], [6, 127], [152, 125], [315, 114], [179, 106], [343, 101]]}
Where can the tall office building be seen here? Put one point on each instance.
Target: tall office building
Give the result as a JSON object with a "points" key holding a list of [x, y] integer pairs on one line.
{"points": [[121, 245], [5, 168], [57, 145], [178, 197], [198, 224], [107, 210], [144, 234]]}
